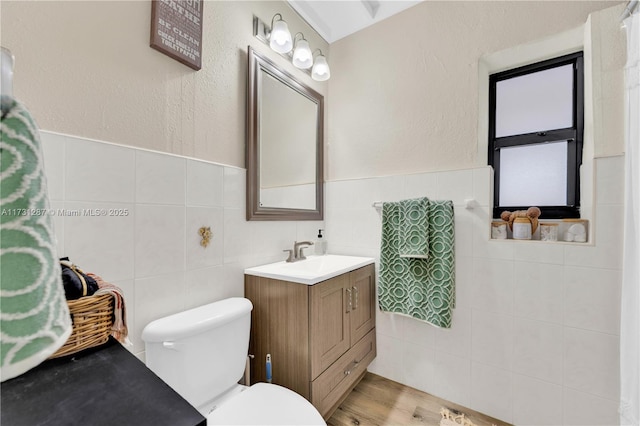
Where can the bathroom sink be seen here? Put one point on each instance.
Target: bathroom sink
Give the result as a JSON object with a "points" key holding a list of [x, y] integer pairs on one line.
{"points": [[312, 270]]}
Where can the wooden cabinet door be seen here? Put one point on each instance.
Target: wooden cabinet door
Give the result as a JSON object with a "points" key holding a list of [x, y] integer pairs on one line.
{"points": [[329, 322], [363, 305], [280, 327]]}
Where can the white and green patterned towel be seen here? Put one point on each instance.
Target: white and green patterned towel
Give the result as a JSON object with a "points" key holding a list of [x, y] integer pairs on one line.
{"points": [[418, 287], [34, 315], [414, 228]]}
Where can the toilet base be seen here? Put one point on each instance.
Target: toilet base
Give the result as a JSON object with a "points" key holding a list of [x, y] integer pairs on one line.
{"points": [[221, 400], [266, 404]]}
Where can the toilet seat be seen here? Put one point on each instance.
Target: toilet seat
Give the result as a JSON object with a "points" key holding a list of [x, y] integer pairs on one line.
{"points": [[266, 404]]}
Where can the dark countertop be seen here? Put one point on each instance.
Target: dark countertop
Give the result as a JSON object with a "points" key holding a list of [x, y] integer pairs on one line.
{"points": [[101, 386]]}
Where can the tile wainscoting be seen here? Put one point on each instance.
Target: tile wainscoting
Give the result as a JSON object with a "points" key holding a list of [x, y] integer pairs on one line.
{"points": [[152, 249], [535, 336]]}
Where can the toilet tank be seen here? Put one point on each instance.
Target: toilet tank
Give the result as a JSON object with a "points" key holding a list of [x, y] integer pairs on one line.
{"points": [[200, 353]]}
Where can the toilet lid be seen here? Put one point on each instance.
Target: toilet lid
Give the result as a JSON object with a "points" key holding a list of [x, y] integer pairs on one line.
{"points": [[266, 404]]}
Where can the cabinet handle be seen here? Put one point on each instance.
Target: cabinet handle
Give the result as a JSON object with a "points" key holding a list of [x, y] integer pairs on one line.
{"points": [[348, 300], [354, 364], [357, 296]]}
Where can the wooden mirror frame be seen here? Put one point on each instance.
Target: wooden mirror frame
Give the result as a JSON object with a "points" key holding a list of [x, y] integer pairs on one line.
{"points": [[257, 64]]}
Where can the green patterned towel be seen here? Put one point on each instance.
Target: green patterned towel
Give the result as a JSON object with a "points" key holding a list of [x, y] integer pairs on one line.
{"points": [[34, 315], [421, 288], [414, 228]]}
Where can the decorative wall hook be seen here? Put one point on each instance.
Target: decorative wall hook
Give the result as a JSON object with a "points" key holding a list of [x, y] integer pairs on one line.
{"points": [[205, 233]]}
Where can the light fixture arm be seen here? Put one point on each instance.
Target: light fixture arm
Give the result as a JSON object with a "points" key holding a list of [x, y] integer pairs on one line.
{"points": [[295, 37], [317, 50], [268, 30]]}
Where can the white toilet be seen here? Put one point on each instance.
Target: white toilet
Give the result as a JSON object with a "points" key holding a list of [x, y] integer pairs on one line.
{"points": [[201, 353]]}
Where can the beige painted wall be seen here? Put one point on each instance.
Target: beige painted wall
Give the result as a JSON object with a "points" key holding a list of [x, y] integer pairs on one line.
{"points": [[85, 68], [404, 93]]}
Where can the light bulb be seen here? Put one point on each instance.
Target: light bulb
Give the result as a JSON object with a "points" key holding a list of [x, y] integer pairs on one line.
{"points": [[280, 38], [302, 57], [320, 71]]}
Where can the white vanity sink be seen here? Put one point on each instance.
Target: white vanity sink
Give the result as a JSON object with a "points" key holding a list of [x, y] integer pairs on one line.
{"points": [[312, 270]]}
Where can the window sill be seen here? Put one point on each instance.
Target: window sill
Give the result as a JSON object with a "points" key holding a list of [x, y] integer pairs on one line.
{"points": [[587, 243], [569, 231]]}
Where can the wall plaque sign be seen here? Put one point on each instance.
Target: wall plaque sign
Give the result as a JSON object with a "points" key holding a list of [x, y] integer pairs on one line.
{"points": [[176, 30]]}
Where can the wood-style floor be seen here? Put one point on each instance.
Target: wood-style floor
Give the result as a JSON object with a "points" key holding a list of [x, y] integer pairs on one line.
{"points": [[379, 401]]}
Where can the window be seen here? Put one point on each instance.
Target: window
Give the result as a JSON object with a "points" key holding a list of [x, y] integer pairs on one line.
{"points": [[535, 136]]}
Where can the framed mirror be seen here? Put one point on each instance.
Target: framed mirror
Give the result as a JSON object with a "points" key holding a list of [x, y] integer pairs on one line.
{"points": [[285, 122]]}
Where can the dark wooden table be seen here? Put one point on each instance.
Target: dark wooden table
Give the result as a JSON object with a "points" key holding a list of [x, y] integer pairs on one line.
{"points": [[100, 386]]}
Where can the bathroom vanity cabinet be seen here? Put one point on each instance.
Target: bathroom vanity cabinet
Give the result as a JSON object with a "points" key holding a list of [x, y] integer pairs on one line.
{"points": [[321, 337]]}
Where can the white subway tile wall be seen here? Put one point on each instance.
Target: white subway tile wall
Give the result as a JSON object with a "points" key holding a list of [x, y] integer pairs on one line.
{"points": [[160, 179], [148, 242], [535, 331], [95, 171]]}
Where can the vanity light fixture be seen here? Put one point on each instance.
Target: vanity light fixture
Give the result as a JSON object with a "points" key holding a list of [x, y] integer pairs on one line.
{"points": [[280, 37], [320, 70], [302, 56], [297, 49]]}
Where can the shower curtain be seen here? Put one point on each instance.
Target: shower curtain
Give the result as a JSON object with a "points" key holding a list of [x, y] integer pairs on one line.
{"points": [[630, 308]]}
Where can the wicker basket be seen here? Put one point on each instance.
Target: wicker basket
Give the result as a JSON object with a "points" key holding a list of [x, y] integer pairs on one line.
{"points": [[92, 318]]}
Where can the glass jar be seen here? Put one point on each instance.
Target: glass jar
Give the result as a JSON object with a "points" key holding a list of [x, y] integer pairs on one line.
{"points": [[499, 230], [522, 228], [574, 230], [549, 232]]}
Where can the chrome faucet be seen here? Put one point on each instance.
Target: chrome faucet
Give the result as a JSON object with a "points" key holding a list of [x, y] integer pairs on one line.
{"points": [[297, 253]]}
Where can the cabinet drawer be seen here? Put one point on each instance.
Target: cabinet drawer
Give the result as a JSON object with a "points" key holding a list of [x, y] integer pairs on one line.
{"points": [[340, 377]]}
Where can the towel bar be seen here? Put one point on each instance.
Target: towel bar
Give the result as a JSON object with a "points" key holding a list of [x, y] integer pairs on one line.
{"points": [[469, 204]]}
